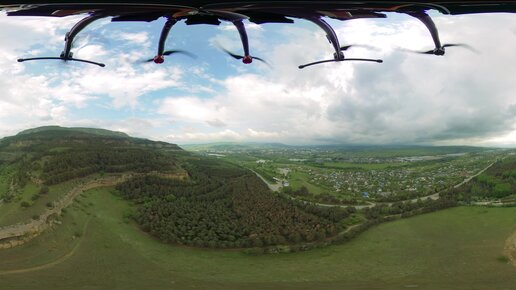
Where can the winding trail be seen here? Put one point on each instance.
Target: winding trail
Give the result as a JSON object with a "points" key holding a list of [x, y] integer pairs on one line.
{"points": [[53, 263], [272, 186]]}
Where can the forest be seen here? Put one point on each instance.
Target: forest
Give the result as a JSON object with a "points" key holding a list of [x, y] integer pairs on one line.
{"points": [[224, 206], [498, 182], [80, 162]]}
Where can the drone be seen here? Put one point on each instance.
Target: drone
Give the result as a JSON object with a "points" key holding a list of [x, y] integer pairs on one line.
{"points": [[259, 12], [66, 54]]}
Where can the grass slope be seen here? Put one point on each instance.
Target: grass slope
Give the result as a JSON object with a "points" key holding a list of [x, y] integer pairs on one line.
{"points": [[451, 249]]}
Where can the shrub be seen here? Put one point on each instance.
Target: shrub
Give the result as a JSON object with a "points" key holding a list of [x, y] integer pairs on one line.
{"points": [[44, 190]]}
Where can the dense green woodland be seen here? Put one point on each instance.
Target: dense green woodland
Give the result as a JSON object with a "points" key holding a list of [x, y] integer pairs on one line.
{"points": [[80, 162], [499, 182], [218, 205], [225, 206], [51, 155]]}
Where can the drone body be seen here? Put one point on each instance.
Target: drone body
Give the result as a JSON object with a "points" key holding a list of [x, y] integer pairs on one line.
{"points": [[259, 12]]}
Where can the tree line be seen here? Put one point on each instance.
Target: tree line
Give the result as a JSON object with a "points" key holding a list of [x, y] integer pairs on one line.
{"points": [[497, 182], [224, 206], [80, 162]]}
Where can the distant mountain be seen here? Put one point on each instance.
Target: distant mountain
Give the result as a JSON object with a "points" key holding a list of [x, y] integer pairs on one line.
{"points": [[235, 146], [53, 136], [93, 131], [391, 150], [403, 150]]}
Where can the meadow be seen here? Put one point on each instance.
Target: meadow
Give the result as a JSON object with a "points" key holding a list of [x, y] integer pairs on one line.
{"points": [[97, 246]]}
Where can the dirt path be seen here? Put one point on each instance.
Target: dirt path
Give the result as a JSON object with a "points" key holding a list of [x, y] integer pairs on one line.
{"points": [[272, 186], [510, 249], [53, 263]]}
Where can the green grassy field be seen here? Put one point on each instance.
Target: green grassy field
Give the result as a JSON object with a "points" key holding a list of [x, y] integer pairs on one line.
{"points": [[97, 247], [298, 179], [364, 166]]}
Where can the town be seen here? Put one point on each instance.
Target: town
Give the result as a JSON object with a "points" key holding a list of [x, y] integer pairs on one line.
{"points": [[361, 175]]}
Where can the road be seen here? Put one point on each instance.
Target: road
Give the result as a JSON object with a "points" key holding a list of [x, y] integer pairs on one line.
{"points": [[272, 186]]}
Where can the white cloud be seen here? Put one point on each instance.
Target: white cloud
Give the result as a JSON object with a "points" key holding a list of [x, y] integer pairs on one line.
{"points": [[189, 137], [124, 84], [191, 109], [462, 97], [410, 98], [227, 26], [136, 37], [263, 134]]}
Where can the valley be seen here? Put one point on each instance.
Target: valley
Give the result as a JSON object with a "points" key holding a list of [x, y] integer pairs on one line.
{"points": [[135, 213], [460, 246]]}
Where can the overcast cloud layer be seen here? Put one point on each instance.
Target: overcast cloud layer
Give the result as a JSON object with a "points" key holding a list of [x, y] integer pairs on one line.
{"points": [[464, 97]]}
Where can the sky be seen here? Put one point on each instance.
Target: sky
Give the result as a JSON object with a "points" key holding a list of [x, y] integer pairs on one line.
{"points": [[467, 97]]}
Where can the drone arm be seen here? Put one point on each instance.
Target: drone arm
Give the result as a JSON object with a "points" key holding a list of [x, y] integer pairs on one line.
{"points": [[430, 25], [330, 34], [238, 20], [75, 30], [164, 34], [239, 24]]}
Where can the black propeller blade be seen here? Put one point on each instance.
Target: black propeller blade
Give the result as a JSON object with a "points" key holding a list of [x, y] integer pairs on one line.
{"points": [[346, 47], [236, 56], [170, 52], [440, 51]]}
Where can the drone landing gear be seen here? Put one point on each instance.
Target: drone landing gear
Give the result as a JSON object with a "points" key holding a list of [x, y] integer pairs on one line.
{"points": [[434, 32], [67, 55], [338, 55]]}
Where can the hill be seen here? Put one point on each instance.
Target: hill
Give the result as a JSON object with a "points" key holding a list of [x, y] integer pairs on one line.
{"points": [[93, 131], [180, 198], [47, 137]]}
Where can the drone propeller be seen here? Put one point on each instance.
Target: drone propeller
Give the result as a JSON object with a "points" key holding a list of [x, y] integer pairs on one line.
{"points": [[441, 51], [245, 59], [159, 58], [338, 60], [346, 47]]}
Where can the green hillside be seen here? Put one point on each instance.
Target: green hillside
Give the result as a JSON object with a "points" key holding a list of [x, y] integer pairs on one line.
{"points": [[93, 131], [181, 198], [129, 213]]}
